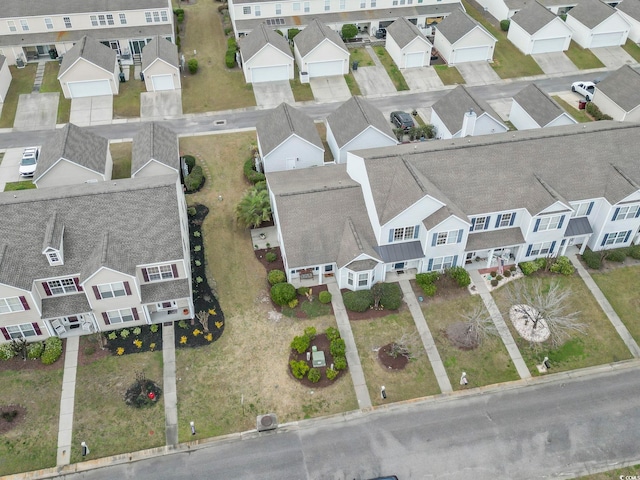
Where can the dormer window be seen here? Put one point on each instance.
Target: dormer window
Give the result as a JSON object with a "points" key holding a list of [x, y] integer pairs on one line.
{"points": [[53, 258], [54, 240]]}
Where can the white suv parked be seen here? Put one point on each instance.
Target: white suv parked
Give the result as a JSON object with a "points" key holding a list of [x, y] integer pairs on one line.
{"points": [[29, 161], [586, 89]]}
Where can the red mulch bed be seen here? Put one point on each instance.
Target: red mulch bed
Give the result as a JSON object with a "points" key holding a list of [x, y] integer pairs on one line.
{"points": [[322, 342], [11, 416], [388, 361]]}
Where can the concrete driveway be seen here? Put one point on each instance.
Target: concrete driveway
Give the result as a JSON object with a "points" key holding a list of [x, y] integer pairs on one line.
{"points": [[477, 73], [613, 57], [422, 79], [91, 110], [502, 107], [330, 89], [37, 111], [556, 62], [272, 94], [9, 167], [374, 81], [163, 104]]}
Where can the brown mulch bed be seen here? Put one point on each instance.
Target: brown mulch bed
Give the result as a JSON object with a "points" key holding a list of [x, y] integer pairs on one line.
{"points": [[322, 342], [17, 364], [447, 289], [11, 416], [278, 264], [457, 335], [371, 313], [397, 363]]}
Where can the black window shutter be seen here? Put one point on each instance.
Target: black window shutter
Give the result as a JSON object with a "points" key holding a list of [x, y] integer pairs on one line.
{"points": [[135, 313], [5, 333], [77, 282], [145, 275]]}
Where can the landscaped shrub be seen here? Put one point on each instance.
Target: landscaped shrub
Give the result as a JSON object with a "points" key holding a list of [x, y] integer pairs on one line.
{"points": [[52, 350], [563, 266], [299, 368], [429, 130], [293, 303], [332, 333], [6, 352], [192, 65], [634, 252], [230, 56], [271, 257], [460, 275], [35, 350], [340, 363], [593, 110], [504, 25], [349, 31], [358, 301], [331, 374], [276, 276], [314, 375], [178, 42], [324, 297], [617, 255], [499, 277], [391, 296], [310, 332], [528, 267], [252, 175], [300, 344], [592, 259], [424, 279], [494, 282], [190, 160], [507, 273], [195, 179], [337, 347], [283, 293]]}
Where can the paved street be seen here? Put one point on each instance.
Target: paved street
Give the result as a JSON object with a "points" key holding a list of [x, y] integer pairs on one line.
{"points": [[565, 426]]}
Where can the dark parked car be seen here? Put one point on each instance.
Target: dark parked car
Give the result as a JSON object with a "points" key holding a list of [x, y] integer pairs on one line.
{"points": [[402, 120], [381, 33]]}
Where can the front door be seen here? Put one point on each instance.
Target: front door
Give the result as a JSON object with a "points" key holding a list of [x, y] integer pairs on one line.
{"points": [[398, 266], [137, 46]]}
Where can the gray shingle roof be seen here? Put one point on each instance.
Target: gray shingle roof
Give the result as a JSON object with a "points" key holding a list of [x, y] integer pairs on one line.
{"points": [[457, 25], [26, 8], [92, 51], [591, 13], [314, 34], [533, 17], [631, 8], [404, 32], [491, 238], [53, 233], [282, 122], [141, 216], [258, 38], [353, 117], [2, 60], [77, 145], [163, 291], [65, 305], [454, 105], [542, 108], [155, 142], [623, 87], [162, 49]]}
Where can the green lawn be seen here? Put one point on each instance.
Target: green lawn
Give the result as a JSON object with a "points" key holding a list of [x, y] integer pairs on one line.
{"points": [[121, 156], [580, 115], [361, 56], [354, 88], [582, 58], [301, 91], [21, 82], [22, 185], [620, 288], [392, 69], [508, 61], [127, 103], [449, 75], [632, 49], [619, 473], [50, 83], [33, 443]]}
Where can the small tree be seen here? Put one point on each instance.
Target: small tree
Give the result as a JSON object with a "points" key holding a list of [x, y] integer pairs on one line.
{"points": [[504, 25], [470, 333], [349, 31], [405, 346], [203, 318], [192, 64], [255, 207]]}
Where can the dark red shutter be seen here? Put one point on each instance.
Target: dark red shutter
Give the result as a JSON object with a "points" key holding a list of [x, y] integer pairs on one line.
{"points": [[127, 288], [5, 333], [36, 327], [25, 305], [135, 313], [78, 286], [96, 292], [47, 290], [174, 269], [105, 317], [145, 275]]}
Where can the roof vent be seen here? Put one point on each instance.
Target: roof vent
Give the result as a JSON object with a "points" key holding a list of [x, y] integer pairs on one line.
{"points": [[266, 422]]}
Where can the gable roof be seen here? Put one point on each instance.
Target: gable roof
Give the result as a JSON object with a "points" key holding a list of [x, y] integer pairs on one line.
{"points": [[135, 213], [454, 105], [282, 122], [154, 142], [623, 87], [404, 32], [258, 38], [353, 117], [533, 17], [591, 13], [92, 51], [310, 37], [162, 49], [47, 7], [631, 8], [540, 106], [3, 59], [77, 145], [457, 25]]}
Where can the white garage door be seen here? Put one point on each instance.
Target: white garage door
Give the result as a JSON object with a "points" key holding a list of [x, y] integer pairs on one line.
{"points": [[472, 54], [269, 74], [607, 39], [91, 88], [413, 60], [325, 69], [548, 45], [162, 82]]}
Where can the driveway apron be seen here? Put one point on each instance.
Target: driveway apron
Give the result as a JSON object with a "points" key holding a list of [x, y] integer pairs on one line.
{"points": [[478, 73], [374, 80], [613, 57], [422, 79], [37, 111], [554, 63], [10, 166], [330, 89], [156, 105], [272, 94]]}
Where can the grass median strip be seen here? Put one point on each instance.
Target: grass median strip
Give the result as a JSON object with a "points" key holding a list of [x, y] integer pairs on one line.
{"points": [[50, 83], [582, 58], [449, 75], [392, 69], [632, 49], [21, 82], [580, 115], [127, 103], [121, 156]]}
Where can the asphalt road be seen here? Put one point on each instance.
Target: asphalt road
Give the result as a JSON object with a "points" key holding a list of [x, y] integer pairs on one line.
{"points": [[560, 429]]}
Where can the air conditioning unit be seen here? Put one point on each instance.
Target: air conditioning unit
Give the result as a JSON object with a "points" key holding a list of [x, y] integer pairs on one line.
{"points": [[266, 422]]}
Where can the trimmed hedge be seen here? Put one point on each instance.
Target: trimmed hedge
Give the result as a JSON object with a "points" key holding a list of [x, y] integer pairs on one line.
{"points": [[338, 347], [271, 257], [593, 110], [283, 293], [192, 65], [358, 301], [592, 259], [35, 350], [230, 55], [616, 255], [324, 297], [314, 375], [504, 25], [251, 174], [391, 298], [190, 161], [529, 267], [427, 282], [276, 276], [634, 252], [332, 333], [194, 180], [6, 352], [52, 350], [563, 266]]}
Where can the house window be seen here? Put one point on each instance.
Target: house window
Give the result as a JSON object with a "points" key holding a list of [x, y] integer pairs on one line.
{"points": [[616, 237], [374, 3], [307, 7], [147, 16], [53, 258], [548, 223], [623, 213], [296, 7], [343, 4], [94, 21], [25, 25], [21, 331], [582, 209], [480, 223], [48, 23], [11, 304], [395, 2], [402, 2], [102, 20], [110, 290], [12, 25], [166, 305], [442, 263], [445, 238], [350, 278], [543, 248], [110, 19], [409, 2], [246, 10], [278, 9], [363, 279], [327, 5], [120, 316], [62, 286], [123, 18], [256, 11], [363, 4], [405, 233], [163, 16], [67, 22], [328, 268], [156, 17], [505, 219], [161, 272]]}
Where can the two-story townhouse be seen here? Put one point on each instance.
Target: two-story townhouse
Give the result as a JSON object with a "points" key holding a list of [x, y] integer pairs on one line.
{"points": [[93, 258], [32, 29], [478, 202], [367, 15]]}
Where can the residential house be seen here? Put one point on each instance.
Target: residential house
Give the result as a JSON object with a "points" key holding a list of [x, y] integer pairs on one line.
{"points": [[533, 108], [618, 95], [160, 65], [630, 11], [94, 258], [155, 151], [407, 45], [73, 156], [266, 56], [596, 24], [288, 139], [534, 29], [357, 124], [460, 114], [498, 199], [32, 29], [505, 9], [320, 51], [459, 39], [89, 69], [5, 78]]}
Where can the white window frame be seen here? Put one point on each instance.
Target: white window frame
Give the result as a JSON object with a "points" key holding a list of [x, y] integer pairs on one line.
{"points": [[343, 4], [374, 3], [327, 5], [403, 233], [257, 11], [94, 20], [48, 22], [54, 258], [278, 9], [615, 238], [163, 16], [402, 2], [505, 220], [103, 21], [156, 16], [549, 223], [480, 223], [307, 7], [447, 238], [626, 212], [12, 26], [246, 10], [157, 273], [296, 6], [112, 290], [440, 264], [363, 280], [120, 316], [170, 305], [123, 18], [110, 20], [350, 278], [541, 248], [23, 330], [10, 305], [363, 3], [67, 22], [62, 286], [148, 17], [580, 210], [24, 25]]}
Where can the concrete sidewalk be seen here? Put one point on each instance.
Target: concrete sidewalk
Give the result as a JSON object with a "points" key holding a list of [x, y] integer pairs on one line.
{"points": [[67, 402], [169, 385]]}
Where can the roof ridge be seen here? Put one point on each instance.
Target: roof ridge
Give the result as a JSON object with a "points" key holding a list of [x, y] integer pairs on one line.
{"points": [[364, 114], [414, 174], [105, 248], [318, 190], [625, 176], [354, 232], [287, 114], [552, 191]]}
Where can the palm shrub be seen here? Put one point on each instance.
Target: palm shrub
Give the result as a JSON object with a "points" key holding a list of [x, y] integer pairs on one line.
{"points": [[283, 293], [254, 208]]}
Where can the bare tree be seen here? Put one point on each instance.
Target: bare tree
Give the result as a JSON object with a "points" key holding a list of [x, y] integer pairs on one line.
{"points": [[470, 333], [203, 318], [405, 346], [539, 305]]}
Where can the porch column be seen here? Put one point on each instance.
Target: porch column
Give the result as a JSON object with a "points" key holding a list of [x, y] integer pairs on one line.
{"points": [[490, 258], [584, 244], [564, 248]]}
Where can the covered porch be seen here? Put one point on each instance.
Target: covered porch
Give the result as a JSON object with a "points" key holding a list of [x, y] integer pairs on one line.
{"points": [[494, 249], [578, 233]]}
